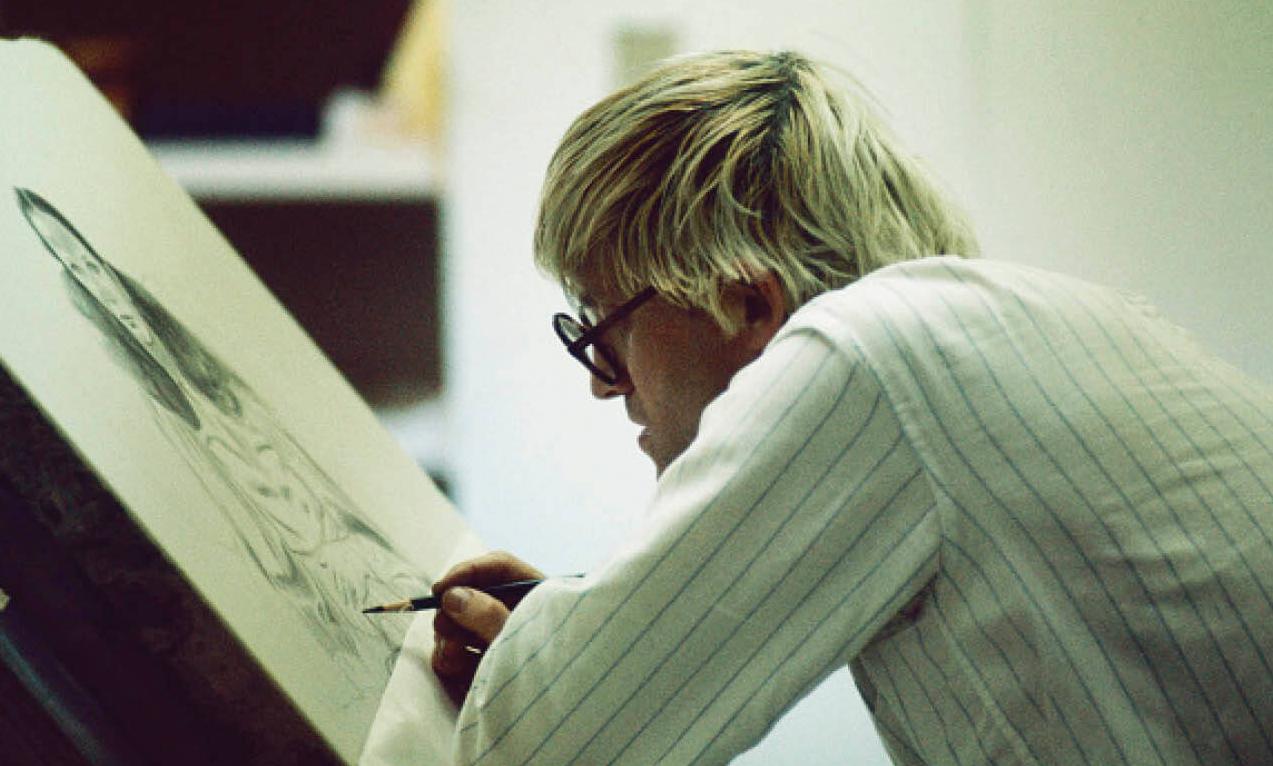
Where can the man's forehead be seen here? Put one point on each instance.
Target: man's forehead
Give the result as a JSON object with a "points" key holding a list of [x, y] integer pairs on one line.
{"points": [[587, 306], [593, 295], [593, 302]]}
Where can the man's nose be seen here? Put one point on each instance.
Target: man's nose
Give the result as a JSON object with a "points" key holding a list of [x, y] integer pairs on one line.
{"points": [[604, 390]]}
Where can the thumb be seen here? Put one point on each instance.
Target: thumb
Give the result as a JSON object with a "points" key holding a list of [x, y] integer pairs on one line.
{"points": [[479, 613]]}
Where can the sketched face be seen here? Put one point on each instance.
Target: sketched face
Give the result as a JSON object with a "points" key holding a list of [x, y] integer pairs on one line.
{"points": [[90, 271]]}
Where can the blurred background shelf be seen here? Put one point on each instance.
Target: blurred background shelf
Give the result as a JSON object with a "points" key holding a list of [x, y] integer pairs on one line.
{"points": [[282, 169]]}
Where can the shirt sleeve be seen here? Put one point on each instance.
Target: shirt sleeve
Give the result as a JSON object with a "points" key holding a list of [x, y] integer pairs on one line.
{"points": [[794, 527]]}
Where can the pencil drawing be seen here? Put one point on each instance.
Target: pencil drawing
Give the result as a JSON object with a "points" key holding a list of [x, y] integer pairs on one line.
{"points": [[294, 525]]}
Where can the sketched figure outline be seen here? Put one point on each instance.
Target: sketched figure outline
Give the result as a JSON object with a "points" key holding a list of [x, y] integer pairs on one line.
{"points": [[293, 523]]}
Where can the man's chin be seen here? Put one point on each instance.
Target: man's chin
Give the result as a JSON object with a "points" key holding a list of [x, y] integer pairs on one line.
{"points": [[645, 442]]}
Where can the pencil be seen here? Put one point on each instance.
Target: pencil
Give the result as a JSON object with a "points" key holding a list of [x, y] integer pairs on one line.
{"points": [[518, 588]]}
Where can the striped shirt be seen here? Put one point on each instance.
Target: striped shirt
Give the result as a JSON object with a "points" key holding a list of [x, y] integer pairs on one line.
{"points": [[1030, 515]]}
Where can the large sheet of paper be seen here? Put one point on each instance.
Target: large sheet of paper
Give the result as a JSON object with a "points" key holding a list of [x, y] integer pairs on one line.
{"points": [[210, 415]]}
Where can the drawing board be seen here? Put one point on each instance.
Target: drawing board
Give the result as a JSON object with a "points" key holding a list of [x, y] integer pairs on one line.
{"points": [[217, 424]]}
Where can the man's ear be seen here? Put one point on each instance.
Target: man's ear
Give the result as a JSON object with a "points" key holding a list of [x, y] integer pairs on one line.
{"points": [[764, 310]]}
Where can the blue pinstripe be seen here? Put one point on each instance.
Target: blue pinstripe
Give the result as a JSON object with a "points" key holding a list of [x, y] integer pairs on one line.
{"points": [[1201, 550], [779, 623], [618, 608], [757, 602], [1132, 507], [565, 618], [1236, 453], [895, 605], [939, 610], [999, 502], [1059, 412], [892, 738], [935, 709]]}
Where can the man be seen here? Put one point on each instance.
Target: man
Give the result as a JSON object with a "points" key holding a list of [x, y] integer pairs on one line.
{"points": [[1029, 514]]}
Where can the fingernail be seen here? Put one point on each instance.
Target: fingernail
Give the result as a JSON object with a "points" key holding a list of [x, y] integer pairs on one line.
{"points": [[455, 599]]}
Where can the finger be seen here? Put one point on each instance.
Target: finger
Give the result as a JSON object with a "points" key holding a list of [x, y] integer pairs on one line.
{"points": [[455, 660], [454, 673], [476, 612], [490, 569], [456, 690], [447, 629]]}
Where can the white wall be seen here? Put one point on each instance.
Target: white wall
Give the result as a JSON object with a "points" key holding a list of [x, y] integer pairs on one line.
{"points": [[1128, 143], [1131, 143]]}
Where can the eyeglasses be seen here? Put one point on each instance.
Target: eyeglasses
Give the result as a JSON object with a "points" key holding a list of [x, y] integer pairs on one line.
{"points": [[583, 339]]}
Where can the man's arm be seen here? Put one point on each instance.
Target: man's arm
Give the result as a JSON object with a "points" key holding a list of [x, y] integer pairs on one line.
{"points": [[796, 525]]}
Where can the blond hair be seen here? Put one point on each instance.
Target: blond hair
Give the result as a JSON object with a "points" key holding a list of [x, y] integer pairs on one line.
{"points": [[717, 167]]}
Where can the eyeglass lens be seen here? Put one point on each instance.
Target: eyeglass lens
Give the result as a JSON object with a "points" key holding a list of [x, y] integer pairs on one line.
{"points": [[591, 352], [593, 356]]}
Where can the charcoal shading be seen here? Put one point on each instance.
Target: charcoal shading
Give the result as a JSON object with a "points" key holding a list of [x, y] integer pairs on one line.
{"points": [[294, 525]]}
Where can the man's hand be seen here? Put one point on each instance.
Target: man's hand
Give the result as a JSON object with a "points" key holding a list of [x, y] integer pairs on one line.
{"points": [[469, 620]]}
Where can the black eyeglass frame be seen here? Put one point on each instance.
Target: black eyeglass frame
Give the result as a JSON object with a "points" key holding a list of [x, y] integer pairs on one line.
{"points": [[589, 335]]}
